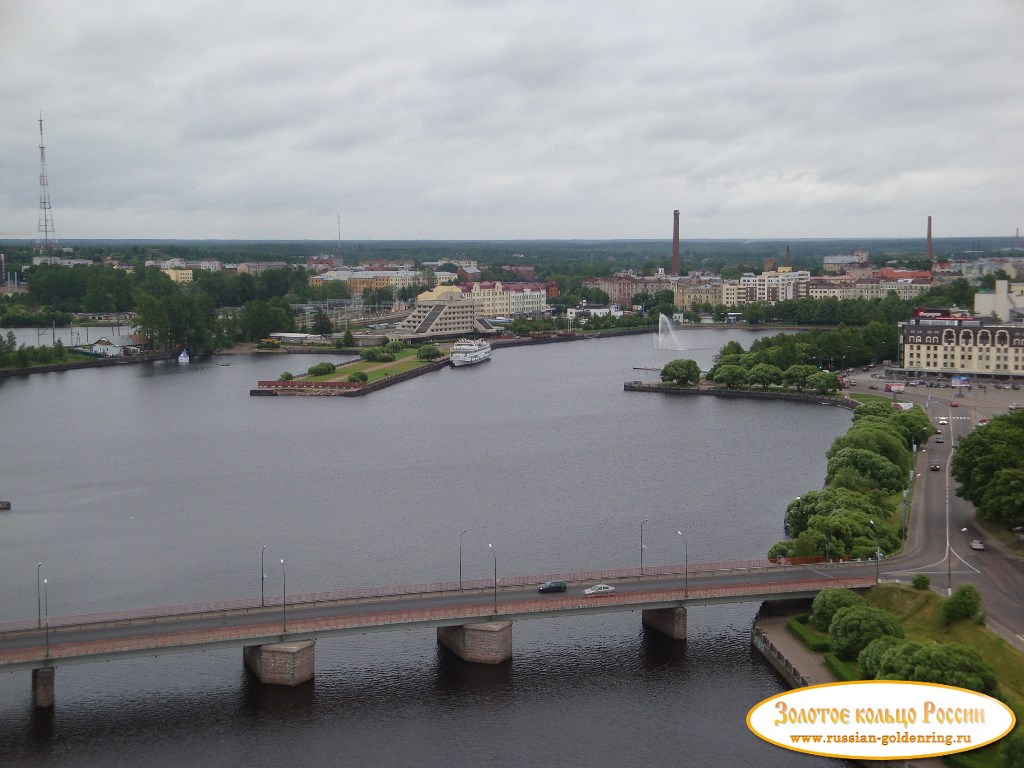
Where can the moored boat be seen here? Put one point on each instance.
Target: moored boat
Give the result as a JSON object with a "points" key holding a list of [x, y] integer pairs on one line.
{"points": [[470, 352]]}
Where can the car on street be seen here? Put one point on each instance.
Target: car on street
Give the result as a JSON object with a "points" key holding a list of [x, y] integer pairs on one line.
{"points": [[977, 544], [940, 439], [599, 589], [555, 585], [943, 422], [954, 404], [936, 468], [872, 386]]}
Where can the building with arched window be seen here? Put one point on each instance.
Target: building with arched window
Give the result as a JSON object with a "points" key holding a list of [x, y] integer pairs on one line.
{"points": [[934, 343]]}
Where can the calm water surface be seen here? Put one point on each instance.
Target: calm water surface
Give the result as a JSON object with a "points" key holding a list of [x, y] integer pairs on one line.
{"points": [[160, 484]]}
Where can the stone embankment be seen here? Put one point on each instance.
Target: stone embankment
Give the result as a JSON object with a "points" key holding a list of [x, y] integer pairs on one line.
{"points": [[755, 394], [102, 362]]}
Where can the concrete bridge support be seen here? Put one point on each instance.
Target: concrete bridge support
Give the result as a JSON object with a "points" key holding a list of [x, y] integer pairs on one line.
{"points": [[668, 621], [290, 663], [487, 643], [42, 687]]}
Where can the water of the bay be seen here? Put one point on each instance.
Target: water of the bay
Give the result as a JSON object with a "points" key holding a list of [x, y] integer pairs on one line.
{"points": [[161, 484]]}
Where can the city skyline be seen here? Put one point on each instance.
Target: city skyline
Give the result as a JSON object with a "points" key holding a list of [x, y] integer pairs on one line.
{"points": [[463, 122]]}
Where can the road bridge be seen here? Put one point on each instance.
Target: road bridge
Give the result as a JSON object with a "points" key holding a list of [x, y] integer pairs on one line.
{"points": [[473, 619]]}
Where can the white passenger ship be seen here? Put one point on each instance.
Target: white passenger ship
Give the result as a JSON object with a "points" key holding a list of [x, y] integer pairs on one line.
{"points": [[470, 351]]}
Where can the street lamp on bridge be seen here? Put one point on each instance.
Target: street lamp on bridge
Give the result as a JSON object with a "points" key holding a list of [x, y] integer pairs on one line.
{"points": [[39, 600], [642, 546], [46, 608], [686, 567], [284, 598], [491, 547], [460, 559], [263, 577]]}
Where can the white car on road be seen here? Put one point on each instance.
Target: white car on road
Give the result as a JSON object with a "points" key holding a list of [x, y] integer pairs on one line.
{"points": [[599, 589]]}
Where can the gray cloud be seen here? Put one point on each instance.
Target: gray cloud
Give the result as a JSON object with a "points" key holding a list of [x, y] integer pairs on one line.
{"points": [[535, 119]]}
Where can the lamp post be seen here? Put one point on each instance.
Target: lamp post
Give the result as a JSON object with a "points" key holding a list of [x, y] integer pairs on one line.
{"points": [[263, 577], [642, 546], [46, 604], [878, 551], [491, 547], [284, 598], [39, 600], [686, 567], [460, 559]]}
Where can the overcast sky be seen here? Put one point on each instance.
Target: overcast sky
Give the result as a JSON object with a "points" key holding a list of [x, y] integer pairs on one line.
{"points": [[473, 119]]}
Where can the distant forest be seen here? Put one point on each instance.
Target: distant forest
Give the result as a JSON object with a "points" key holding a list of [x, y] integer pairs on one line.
{"points": [[580, 258]]}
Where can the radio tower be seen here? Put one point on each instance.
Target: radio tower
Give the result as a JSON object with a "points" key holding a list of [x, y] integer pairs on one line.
{"points": [[47, 241]]}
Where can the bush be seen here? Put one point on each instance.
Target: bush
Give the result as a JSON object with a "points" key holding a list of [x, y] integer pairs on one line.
{"points": [[394, 347], [962, 604], [798, 627], [921, 582], [855, 626], [428, 352], [827, 602], [360, 376], [321, 369], [286, 376]]}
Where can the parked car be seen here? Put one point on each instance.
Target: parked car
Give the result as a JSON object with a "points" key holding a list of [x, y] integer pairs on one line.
{"points": [[954, 404], [936, 468], [599, 589], [555, 585], [977, 544], [940, 439], [872, 386]]}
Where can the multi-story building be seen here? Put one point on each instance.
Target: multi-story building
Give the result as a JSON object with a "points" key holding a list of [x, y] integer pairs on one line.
{"points": [[772, 287], [178, 275], [259, 267], [960, 345], [1005, 302]]}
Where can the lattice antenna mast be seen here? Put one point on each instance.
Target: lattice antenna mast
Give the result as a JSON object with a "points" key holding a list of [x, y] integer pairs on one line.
{"points": [[47, 235]]}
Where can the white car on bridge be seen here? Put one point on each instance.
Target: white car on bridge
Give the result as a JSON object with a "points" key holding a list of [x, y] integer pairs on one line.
{"points": [[599, 589]]}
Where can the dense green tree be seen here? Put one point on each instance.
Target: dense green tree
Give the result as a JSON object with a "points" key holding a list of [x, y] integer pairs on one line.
{"points": [[878, 470], [827, 602], [731, 376], [988, 464], [764, 375], [796, 376], [823, 383], [348, 339], [322, 324], [943, 663], [428, 352], [869, 660], [681, 372], [1011, 748], [853, 627]]}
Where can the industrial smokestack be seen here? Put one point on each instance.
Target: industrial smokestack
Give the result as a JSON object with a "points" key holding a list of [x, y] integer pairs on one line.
{"points": [[928, 248], [675, 242]]}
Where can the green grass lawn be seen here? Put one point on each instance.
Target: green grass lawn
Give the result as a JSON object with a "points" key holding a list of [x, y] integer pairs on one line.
{"points": [[919, 613]]}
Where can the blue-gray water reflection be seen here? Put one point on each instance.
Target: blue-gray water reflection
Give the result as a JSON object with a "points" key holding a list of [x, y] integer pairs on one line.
{"points": [[161, 483]]}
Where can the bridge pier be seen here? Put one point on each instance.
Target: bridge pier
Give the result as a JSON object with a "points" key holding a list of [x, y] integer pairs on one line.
{"points": [[487, 643], [290, 663], [42, 687], [668, 621]]}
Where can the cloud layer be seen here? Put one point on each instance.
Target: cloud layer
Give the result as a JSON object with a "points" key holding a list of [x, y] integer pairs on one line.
{"points": [[483, 120]]}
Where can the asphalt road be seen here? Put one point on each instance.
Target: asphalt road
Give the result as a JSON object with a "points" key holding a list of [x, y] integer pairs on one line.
{"points": [[942, 524]]}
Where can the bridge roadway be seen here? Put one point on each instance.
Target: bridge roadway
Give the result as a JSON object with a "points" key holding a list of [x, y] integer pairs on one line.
{"points": [[70, 640]]}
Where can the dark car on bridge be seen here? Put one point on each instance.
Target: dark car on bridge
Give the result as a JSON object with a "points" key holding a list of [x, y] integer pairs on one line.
{"points": [[555, 585]]}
